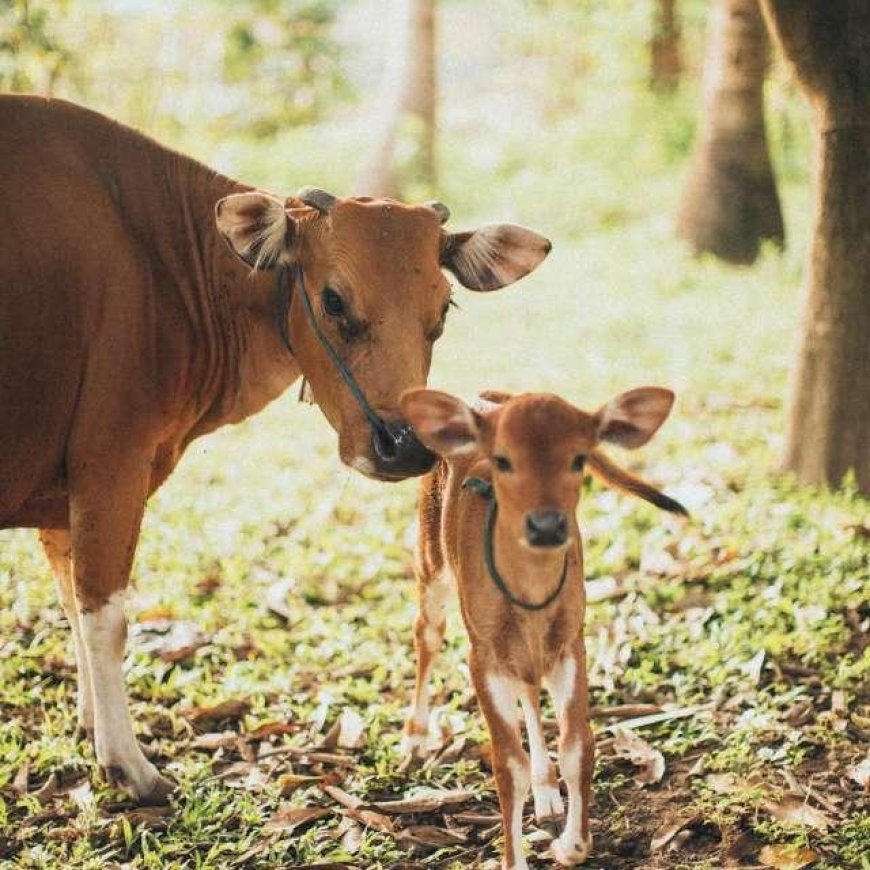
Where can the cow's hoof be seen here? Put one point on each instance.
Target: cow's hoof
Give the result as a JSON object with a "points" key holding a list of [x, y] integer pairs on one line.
{"points": [[569, 854], [548, 803], [159, 793]]}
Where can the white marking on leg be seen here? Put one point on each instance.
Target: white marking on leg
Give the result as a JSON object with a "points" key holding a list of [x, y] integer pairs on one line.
{"points": [[569, 849], [520, 776], [104, 634], [433, 609], [504, 693], [545, 790]]}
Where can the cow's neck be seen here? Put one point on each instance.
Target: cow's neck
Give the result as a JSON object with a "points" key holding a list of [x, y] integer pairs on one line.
{"points": [[247, 365]]}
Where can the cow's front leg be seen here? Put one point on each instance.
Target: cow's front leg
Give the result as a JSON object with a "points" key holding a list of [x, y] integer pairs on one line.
{"points": [[56, 543], [545, 785], [568, 687], [433, 591], [497, 695], [106, 505]]}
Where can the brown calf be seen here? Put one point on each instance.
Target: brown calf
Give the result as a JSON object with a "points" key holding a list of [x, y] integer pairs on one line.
{"points": [[498, 513], [139, 309]]}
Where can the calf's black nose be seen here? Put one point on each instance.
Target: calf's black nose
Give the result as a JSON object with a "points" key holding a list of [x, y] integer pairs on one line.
{"points": [[546, 527], [398, 453]]}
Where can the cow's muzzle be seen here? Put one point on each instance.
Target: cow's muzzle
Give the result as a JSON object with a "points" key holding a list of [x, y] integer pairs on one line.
{"points": [[397, 452], [546, 527]]}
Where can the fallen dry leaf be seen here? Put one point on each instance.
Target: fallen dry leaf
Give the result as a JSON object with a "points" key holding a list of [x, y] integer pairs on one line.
{"points": [[231, 710], [172, 640], [648, 759], [271, 729], [352, 835], [860, 773], [784, 857], [793, 809], [425, 801], [20, 781], [215, 740], [288, 818], [353, 806], [288, 783], [347, 732], [666, 832], [431, 836]]}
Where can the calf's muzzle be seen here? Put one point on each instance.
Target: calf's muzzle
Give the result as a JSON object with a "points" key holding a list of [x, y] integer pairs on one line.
{"points": [[397, 452], [546, 527]]}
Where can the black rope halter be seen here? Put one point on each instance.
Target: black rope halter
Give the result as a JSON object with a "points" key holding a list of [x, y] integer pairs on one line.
{"points": [[283, 300], [485, 489]]}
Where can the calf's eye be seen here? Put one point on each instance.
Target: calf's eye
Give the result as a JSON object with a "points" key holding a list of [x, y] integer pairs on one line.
{"points": [[578, 462], [333, 304], [502, 463]]}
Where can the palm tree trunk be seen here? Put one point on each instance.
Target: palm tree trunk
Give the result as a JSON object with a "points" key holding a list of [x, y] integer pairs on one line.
{"points": [[666, 64], [730, 203], [828, 45]]}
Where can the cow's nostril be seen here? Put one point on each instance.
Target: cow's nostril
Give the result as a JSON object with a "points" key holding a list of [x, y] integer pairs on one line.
{"points": [[384, 443], [397, 451], [547, 527]]}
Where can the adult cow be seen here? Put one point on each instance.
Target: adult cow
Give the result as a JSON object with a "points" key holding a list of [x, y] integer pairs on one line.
{"points": [[128, 328]]}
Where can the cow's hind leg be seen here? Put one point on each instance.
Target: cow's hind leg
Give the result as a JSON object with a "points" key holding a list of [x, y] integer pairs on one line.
{"points": [[56, 543], [106, 504]]}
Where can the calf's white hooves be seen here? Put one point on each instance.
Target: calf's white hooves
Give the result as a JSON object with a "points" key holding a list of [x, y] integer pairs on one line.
{"points": [[568, 854], [548, 803]]}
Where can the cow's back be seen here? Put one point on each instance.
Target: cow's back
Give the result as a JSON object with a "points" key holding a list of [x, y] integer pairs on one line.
{"points": [[65, 256]]}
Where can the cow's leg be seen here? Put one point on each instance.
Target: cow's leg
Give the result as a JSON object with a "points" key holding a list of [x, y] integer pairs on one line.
{"points": [[498, 696], [56, 543], [567, 685], [545, 785], [432, 591], [106, 504]]}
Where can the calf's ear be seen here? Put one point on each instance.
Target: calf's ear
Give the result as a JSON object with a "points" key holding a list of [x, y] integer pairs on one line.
{"points": [[493, 256], [257, 228], [632, 418], [445, 424]]}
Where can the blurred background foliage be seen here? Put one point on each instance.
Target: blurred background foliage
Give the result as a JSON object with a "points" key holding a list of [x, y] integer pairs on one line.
{"points": [[546, 105]]}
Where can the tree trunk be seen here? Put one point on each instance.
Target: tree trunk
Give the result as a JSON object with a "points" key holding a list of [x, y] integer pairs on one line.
{"points": [[666, 63], [405, 156], [730, 203], [828, 45]]}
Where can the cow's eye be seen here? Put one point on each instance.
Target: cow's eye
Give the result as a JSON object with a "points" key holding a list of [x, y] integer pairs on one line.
{"points": [[578, 462], [333, 304], [502, 463]]}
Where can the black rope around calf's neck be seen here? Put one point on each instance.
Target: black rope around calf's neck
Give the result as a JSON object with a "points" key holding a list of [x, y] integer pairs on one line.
{"points": [[485, 489], [283, 299]]}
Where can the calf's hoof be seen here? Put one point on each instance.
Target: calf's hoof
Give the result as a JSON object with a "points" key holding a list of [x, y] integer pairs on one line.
{"points": [[570, 854], [548, 803]]}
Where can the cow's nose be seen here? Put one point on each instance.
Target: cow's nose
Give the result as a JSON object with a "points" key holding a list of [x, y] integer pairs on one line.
{"points": [[546, 527], [398, 453]]}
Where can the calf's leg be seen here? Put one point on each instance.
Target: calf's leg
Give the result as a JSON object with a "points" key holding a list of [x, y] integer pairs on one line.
{"points": [[56, 543], [498, 696], [545, 785], [106, 504], [568, 687], [433, 590]]}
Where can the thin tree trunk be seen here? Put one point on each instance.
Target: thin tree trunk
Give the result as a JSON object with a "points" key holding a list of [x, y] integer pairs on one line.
{"points": [[666, 63], [405, 155], [730, 203], [828, 44]]}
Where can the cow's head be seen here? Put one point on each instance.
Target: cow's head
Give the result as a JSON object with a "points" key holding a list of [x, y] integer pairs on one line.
{"points": [[372, 271]]}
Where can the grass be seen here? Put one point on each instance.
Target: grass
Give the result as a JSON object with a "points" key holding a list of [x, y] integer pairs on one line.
{"points": [[756, 610]]}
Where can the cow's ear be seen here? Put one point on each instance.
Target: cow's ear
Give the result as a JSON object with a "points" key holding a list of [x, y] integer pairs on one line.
{"points": [[445, 424], [257, 228], [632, 418], [493, 256]]}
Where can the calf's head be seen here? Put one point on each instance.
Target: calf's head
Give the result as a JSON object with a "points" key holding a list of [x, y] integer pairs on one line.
{"points": [[538, 446], [372, 270]]}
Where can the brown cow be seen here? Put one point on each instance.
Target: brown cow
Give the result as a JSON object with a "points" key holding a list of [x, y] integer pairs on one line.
{"points": [[499, 514], [129, 326]]}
